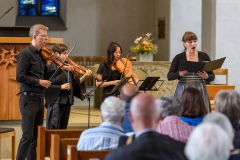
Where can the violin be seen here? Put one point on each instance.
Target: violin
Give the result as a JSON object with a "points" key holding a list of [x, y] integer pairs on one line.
{"points": [[79, 69], [124, 66]]}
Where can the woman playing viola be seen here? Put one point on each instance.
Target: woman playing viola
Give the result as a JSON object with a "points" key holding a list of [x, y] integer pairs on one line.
{"points": [[107, 70], [60, 95]]}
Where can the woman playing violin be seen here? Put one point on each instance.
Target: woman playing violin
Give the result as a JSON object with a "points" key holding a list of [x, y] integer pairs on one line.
{"points": [[60, 95], [107, 70]]}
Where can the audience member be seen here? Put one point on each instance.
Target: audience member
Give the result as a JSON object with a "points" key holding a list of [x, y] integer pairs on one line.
{"points": [[128, 91], [222, 120], [171, 124], [208, 141], [228, 103], [149, 144], [107, 134], [194, 108]]}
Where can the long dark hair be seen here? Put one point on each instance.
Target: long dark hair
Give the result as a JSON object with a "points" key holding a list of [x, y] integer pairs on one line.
{"points": [[112, 47], [193, 103]]}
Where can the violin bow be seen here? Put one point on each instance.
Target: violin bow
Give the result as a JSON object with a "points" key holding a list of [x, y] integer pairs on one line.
{"points": [[55, 72], [124, 66], [68, 70]]}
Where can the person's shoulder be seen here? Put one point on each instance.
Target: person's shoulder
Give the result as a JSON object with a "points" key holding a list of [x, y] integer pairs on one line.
{"points": [[90, 130], [202, 53], [120, 153]]}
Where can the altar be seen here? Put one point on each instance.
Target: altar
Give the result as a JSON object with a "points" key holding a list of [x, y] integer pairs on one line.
{"points": [[143, 70]]}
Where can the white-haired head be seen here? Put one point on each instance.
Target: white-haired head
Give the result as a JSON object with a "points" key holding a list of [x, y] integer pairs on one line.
{"points": [[113, 110], [208, 141], [222, 120]]}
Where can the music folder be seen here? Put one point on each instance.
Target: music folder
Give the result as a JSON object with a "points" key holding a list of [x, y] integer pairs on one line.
{"points": [[120, 84], [200, 66]]}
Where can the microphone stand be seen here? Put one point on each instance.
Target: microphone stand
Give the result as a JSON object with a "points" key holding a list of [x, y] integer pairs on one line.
{"points": [[87, 96]]}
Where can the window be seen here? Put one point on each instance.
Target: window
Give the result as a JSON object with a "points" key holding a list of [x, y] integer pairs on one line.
{"points": [[51, 13], [38, 7]]}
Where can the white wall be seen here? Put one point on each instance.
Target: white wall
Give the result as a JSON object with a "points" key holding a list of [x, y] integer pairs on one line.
{"points": [[184, 17], [227, 37], [93, 24]]}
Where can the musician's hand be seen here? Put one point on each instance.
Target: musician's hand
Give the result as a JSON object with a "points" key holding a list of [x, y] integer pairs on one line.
{"points": [[203, 74], [88, 72], [182, 73], [65, 86], [115, 82], [44, 83]]}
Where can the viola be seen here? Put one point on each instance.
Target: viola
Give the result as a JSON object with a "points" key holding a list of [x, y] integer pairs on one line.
{"points": [[124, 66]]}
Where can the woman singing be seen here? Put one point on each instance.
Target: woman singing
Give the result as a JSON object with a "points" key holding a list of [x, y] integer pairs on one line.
{"points": [[107, 71], [190, 79]]}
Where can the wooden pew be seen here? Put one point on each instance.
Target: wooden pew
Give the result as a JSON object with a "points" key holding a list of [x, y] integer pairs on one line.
{"points": [[58, 149], [44, 139], [73, 154], [214, 89]]}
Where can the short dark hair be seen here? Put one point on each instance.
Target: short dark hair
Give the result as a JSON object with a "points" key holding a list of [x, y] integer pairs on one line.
{"points": [[59, 48]]}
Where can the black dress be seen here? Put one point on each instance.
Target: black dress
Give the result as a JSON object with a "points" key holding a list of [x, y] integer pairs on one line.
{"points": [[108, 75]]}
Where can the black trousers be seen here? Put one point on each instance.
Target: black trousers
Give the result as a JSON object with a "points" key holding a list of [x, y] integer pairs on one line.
{"points": [[32, 110], [58, 116]]}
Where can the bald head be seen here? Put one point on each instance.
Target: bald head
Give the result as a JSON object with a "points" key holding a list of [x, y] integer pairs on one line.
{"points": [[144, 113], [128, 91]]}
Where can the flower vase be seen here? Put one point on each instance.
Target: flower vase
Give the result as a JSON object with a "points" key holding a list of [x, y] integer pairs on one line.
{"points": [[144, 57]]}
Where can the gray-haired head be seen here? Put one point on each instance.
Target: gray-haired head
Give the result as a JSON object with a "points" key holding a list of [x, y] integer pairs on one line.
{"points": [[228, 103], [212, 143], [113, 110], [221, 120], [169, 105], [35, 29]]}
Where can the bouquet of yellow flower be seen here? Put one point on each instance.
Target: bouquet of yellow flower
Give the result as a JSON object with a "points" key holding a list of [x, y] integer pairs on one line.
{"points": [[144, 45]]}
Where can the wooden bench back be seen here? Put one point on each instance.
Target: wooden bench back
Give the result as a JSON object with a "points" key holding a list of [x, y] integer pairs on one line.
{"points": [[58, 148], [73, 154], [44, 139]]}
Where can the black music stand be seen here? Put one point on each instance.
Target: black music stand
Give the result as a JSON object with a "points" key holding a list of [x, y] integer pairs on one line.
{"points": [[87, 96], [120, 84], [149, 84]]}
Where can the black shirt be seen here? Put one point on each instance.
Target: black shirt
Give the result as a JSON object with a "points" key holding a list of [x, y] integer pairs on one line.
{"points": [[31, 67]]}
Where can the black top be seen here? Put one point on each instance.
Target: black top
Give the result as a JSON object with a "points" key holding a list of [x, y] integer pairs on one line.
{"points": [[66, 96], [30, 68], [236, 140], [173, 71], [108, 75]]}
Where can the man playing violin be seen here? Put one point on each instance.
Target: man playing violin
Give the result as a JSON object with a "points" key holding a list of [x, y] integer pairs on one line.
{"points": [[60, 95], [31, 72], [107, 70]]}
